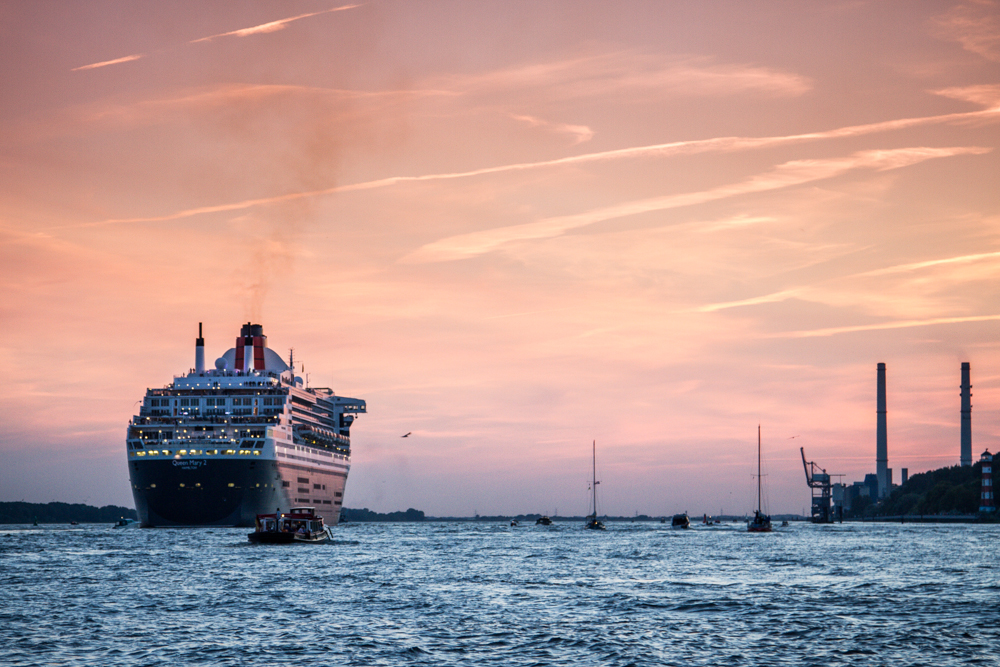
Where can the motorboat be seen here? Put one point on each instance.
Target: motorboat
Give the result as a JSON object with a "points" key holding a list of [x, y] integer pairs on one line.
{"points": [[680, 521], [300, 525]]}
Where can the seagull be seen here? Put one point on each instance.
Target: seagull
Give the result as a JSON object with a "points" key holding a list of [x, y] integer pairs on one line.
{"points": [[407, 434]]}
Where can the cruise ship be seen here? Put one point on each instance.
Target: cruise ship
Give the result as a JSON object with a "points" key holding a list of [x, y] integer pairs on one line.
{"points": [[218, 447]]}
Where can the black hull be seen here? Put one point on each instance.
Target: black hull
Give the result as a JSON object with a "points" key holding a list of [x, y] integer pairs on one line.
{"points": [[204, 492]]}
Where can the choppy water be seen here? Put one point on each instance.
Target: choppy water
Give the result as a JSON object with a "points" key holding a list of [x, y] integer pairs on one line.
{"points": [[486, 594]]}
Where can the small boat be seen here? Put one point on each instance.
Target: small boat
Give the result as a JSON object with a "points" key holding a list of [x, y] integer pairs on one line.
{"points": [[514, 523], [543, 521], [761, 523], [784, 524], [680, 521], [298, 525], [126, 523], [74, 523], [592, 522]]}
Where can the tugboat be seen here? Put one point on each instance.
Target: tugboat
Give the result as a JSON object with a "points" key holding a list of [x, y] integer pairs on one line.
{"points": [[592, 522], [543, 521], [299, 525], [680, 521], [761, 523]]}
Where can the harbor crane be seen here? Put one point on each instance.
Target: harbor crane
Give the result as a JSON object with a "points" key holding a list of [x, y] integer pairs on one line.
{"points": [[823, 509]]}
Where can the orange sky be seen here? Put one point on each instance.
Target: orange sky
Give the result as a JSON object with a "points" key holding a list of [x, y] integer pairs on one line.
{"points": [[513, 228]]}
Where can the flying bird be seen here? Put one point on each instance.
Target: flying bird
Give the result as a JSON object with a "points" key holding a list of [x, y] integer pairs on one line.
{"points": [[407, 434]]}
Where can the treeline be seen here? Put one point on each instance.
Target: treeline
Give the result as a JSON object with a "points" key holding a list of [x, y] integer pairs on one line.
{"points": [[368, 515], [954, 490], [19, 512]]}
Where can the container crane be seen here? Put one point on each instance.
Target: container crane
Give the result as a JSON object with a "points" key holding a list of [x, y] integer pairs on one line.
{"points": [[823, 509]]}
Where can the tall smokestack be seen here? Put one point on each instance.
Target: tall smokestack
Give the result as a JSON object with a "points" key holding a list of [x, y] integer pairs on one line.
{"points": [[966, 451], [881, 437], [199, 352]]}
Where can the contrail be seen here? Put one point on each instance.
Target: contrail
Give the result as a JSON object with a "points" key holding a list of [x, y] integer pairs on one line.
{"points": [[902, 324], [272, 26], [116, 61], [263, 28]]}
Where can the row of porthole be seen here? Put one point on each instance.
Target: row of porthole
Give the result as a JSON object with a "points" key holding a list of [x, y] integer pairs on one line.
{"points": [[198, 484]]}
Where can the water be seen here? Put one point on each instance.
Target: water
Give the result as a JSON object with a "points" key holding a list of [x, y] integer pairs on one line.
{"points": [[487, 594]]}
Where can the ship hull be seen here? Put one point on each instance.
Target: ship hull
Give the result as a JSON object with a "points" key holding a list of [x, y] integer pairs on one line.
{"points": [[227, 491]]}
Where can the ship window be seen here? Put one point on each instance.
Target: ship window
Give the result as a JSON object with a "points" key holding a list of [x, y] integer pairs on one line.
{"points": [[303, 480], [231, 485], [182, 485], [230, 451], [316, 486], [256, 453], [182, 452], [286, 484], [338, 494], [326, 502], [197, 483], [302, 490], [139, 453], [260, 444], [166, 452]]}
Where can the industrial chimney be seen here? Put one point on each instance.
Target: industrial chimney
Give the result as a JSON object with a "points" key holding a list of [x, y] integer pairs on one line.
{"points": [[199, 352], [881, 437], [966, 451]]}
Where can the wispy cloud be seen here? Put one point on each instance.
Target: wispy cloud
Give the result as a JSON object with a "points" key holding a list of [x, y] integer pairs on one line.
{"points": [[116, 61], [974, 25], [915, 266], [716, 144], [628, 71], [580, 133], [757, 300], [271, 26], [881, 326], [785, 175]]}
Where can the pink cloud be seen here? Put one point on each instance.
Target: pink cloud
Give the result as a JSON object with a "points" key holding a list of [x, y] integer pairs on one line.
{"points": [[271, 26], [785, 175]]}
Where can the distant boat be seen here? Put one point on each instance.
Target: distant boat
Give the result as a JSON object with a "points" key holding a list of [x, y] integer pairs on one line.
{"points": [[680, 521], [761, 523], [126, 523], [592, 522], [543, 521], [514, 523]]}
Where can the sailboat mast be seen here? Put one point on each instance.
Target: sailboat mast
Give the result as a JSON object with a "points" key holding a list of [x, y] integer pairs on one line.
{"points": [[594, 480], [758, 468]]}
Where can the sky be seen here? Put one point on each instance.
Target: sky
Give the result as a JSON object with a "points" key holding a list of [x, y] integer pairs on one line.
{"points": [[514, 229]]}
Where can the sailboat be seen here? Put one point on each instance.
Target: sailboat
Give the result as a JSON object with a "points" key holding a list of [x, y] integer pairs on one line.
{"points": [[592, 522], [761, 523]]}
